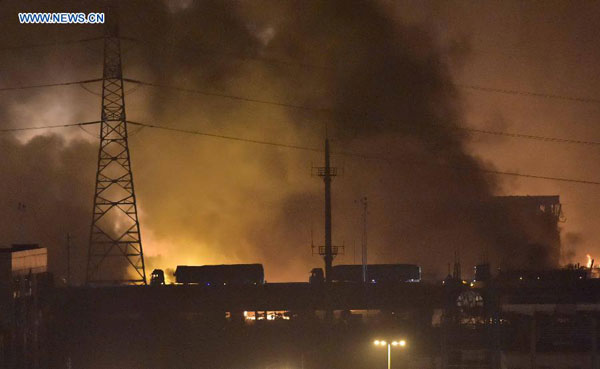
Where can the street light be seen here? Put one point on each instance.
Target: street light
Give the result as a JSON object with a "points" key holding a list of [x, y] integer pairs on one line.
{"points": [[395, 343]]}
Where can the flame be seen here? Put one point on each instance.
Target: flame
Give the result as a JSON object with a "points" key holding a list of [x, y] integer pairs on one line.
{"points": [[589, 260]]}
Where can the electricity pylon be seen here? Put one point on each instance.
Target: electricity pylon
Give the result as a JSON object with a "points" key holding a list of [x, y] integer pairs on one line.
{"points": [[115, 247]]}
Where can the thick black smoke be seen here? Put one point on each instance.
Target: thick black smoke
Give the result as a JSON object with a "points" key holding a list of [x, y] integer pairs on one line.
{"points": [[377, 86]]}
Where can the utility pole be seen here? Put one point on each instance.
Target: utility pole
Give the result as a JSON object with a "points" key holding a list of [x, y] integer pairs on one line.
{"points": [[115, 243], [22, 208], [329, 251], [327, 179], [68, 259], [364, 240]]}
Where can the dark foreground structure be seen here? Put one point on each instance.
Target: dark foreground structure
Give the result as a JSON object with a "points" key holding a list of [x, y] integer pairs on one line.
{"points": [[515, 320]]}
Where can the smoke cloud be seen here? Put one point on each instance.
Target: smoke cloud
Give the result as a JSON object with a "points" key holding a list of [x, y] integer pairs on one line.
{"points": [[378, 87]]}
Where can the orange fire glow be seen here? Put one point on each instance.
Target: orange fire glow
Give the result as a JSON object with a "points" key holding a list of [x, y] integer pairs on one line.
{"points": [[589, 260]]}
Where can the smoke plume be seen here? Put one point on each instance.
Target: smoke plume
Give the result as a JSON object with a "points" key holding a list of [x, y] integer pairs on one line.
{"points": [[376, 86]]}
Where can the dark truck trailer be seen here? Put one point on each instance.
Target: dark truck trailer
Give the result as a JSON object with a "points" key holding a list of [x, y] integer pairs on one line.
{"points": [[376, 273], [209, 275]]}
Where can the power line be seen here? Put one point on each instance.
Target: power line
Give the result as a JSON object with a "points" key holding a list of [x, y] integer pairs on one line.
{"points": [[228, 96], [327, 110], [273, 102], [293, 63], [235, 55], [459, 168], [82, 85], [304, 107], [559, 179], [49, 85], [529, 137], [50, 44], [307, 108], [89, 133], [18, 129], [313, 149], [232, 138], [365, 156], [329, 67], [529, 93]]}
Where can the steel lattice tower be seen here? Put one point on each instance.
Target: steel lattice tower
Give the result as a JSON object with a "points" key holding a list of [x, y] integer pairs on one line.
{"points": [[115, 242]]}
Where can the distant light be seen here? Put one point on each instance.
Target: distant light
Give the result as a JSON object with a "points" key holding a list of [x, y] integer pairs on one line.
{"points": [[382, 343], [245, 313], [373, 281], [520, 278], [376, 342], [471, 284], [394, 343], [402, 343], [208, 284]]}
